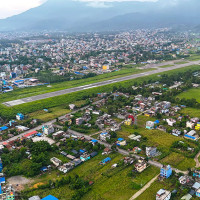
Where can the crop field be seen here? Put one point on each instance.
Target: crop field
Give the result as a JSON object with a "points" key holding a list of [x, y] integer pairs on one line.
{"points": [[108, 183], [178, 161]]}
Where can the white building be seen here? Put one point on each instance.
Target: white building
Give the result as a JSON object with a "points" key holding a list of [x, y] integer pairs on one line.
{"points": [[48, 129], [171, 122], [190, 124], [163, 195], [104, 136]]}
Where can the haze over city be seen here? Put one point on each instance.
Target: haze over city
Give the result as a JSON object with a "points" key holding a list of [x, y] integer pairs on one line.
{"points": [[99, 99]]}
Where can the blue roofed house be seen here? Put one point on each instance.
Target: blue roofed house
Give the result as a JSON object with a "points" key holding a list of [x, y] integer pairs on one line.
{"points": [[3, 128], [166, 171], [121, 142], [19, 116], [105, 161], [104, 136], [2, 180], [43, 169], [50, 197], [81, 151], [94, 142], [196, 173]]}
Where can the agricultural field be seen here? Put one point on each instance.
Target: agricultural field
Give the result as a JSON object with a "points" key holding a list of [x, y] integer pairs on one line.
{"points": [[108, 183], [178, 161], [150, 193]]}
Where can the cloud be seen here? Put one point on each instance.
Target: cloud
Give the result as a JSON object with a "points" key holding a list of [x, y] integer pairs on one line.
{"points": [[107, 3], [14, 7]]}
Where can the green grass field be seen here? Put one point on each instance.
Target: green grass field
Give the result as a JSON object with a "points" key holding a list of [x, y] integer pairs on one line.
{"points": [[192, 112], [108, 184], [194, 57], [191, 93], [164, 66], [150, 193], [48, 116], [179, 161], [163, 141], [181, 62]]}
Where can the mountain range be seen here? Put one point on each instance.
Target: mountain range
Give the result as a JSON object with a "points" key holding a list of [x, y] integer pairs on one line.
{"points": [[74, 15]]}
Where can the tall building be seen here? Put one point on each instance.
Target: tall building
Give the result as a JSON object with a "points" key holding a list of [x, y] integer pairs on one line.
{"points": [[166, 171]]}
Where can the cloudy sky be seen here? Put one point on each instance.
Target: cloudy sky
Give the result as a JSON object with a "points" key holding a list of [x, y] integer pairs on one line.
{"points": [[13, 7]]}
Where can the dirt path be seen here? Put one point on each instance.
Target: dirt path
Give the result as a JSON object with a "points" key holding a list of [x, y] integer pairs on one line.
{"points": [[137, 194], [18, 182], [196, 159]]}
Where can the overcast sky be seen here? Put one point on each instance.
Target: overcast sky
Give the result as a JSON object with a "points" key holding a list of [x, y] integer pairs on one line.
{"points": [[13, 7]]}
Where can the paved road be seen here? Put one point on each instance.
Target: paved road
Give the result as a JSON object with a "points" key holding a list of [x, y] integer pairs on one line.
{"points": [[124, 152], [137, 194], [93, 85]]}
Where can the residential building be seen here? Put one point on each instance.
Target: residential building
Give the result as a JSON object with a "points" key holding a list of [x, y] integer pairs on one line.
{"points": [[128, 122], [196, 188], [79, 121], [71, 106], [48, 129], [149, 125], [57, 134], [197, 127], [163, 195], [20, 116], [56, 161], [171, 122], [141, 165], [166, 171], [121, 142], [190, 124], [105, 161], [34, 198], [192, 135], [84, 157], [104, 136], [50, 197], [151, 151], [196, 174]]}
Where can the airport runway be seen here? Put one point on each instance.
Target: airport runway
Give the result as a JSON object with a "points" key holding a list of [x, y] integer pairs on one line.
{"points": [[93, 85]]}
